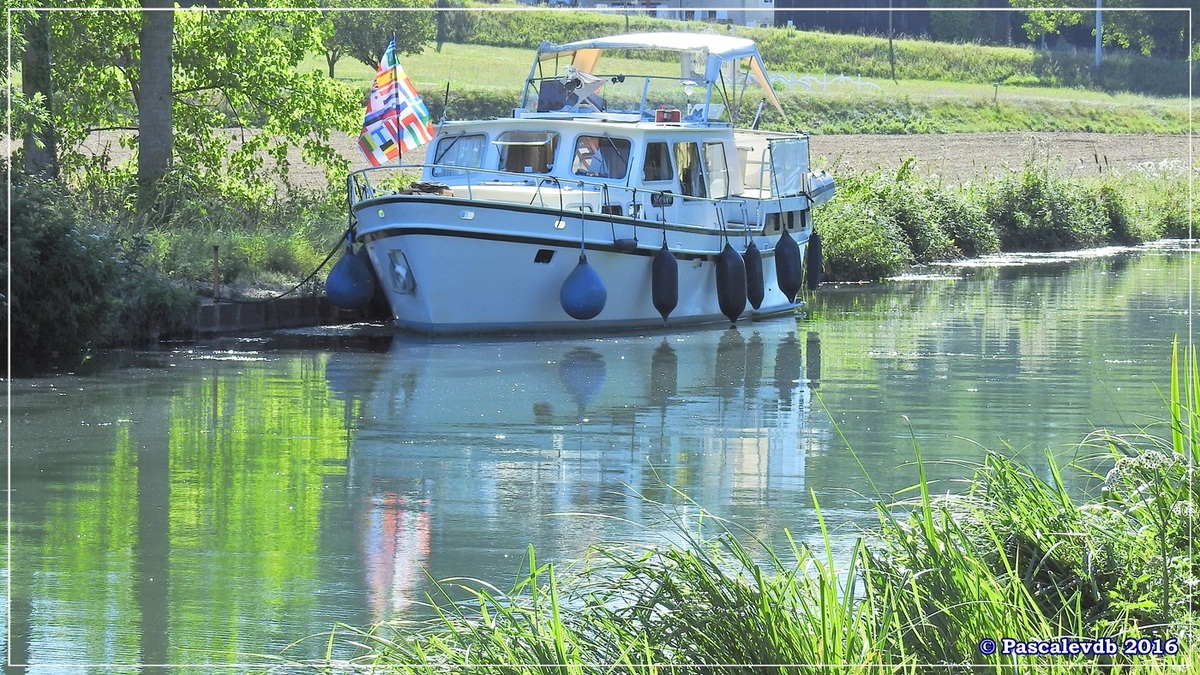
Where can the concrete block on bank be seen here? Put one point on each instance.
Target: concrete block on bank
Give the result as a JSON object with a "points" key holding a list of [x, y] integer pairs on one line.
{"points": [[247, 316]]}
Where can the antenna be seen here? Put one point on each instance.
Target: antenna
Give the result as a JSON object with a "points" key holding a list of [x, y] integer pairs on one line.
{"points": [[445, 103]]}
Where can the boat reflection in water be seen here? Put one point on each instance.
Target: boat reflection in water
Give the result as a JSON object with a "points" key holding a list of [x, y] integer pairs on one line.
{"points": [[462, 452]]}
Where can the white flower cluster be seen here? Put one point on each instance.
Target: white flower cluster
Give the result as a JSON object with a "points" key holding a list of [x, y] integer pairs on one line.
{"points": [[1143, 468]]}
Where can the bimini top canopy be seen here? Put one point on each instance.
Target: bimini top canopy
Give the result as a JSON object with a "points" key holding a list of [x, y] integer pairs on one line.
{"points": [[715, 50]]}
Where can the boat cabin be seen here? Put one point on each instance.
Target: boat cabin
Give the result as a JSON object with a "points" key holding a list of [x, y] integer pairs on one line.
{"points": [[615, 194], [661, 145]]}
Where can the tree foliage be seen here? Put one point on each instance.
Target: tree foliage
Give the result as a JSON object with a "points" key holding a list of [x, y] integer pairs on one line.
{"points": [[362, 29], [239, 99], [1154, 28], [28, 104]]}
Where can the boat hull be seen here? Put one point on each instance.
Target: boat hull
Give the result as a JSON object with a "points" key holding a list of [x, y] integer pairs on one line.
{"points": [[453, 266]]}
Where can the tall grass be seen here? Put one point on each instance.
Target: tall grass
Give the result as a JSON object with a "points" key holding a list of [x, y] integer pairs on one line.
{"points": [[1016, 555], [268, 244], [708, 603], [882, 222]]}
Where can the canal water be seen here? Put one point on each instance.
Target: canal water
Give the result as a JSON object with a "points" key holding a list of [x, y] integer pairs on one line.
{"points": [[214, 503]]}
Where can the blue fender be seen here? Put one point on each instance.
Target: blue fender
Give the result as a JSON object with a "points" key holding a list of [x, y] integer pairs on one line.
{"points": [[351, 283], [583, 295]]}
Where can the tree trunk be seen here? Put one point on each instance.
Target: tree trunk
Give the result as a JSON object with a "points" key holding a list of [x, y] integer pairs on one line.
{"points": [[155, 127], [41, 147], [440, 17]]}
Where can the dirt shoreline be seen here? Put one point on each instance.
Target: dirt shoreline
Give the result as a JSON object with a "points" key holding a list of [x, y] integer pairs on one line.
{"points": [[954, 158], [958, 158]]}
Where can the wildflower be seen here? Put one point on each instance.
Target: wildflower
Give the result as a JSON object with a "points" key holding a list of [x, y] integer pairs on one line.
{"points": [[1185, 510], [1139, 468]]}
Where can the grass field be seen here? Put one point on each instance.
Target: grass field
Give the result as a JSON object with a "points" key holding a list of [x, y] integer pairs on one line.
{"points": [[507, 67], [943, 106], [473, 66]]}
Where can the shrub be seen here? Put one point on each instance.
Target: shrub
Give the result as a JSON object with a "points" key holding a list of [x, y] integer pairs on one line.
{"points": [[859, 241], [961, 217], [1115, 212], [62, 274], [1156, 200], [528, 29], [891, 221], [76, 283], [1036, 210], [910, 205], [1174, 217]]}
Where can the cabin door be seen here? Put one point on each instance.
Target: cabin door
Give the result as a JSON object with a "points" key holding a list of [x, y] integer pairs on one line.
{"points": [[692, 208]]}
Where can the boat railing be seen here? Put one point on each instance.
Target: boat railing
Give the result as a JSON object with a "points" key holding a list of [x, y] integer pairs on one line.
{"points": [[584, 194], [778, 168]]}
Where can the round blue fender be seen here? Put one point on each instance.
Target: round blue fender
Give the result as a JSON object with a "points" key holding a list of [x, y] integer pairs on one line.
{"points": [[664, 281], [787, 266], [583, 294], [755, 287], [813, 266], [731, 282], [351, 283]]}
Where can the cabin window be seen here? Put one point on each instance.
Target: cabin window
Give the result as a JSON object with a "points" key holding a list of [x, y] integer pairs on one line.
{"points": [[527, 151], [691, 174], [718, 170], [463, 150], [601, 156], [657, 165]]}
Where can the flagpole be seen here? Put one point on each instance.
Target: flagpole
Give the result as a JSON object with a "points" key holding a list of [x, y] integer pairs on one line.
{"points": [[396, 92]]}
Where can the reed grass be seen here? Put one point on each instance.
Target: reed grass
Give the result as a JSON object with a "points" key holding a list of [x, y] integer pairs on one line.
{"points": [[1014, 555]]}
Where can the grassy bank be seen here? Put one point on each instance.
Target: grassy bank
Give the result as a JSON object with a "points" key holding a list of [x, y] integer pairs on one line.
{"points": [[486, 81], [872, 57], [942, 580], [86, 273], [882, 223]]}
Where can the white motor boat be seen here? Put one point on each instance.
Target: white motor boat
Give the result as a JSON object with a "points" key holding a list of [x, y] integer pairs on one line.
{"points": [[609, 201]]}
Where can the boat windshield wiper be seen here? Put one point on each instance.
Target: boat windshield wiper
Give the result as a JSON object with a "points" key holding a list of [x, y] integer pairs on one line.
{"points": [[617, 149], [443, 151]]}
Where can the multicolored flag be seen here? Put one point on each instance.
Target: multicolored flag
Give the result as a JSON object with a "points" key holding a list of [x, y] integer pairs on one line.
{"points": [[396, 119]]}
